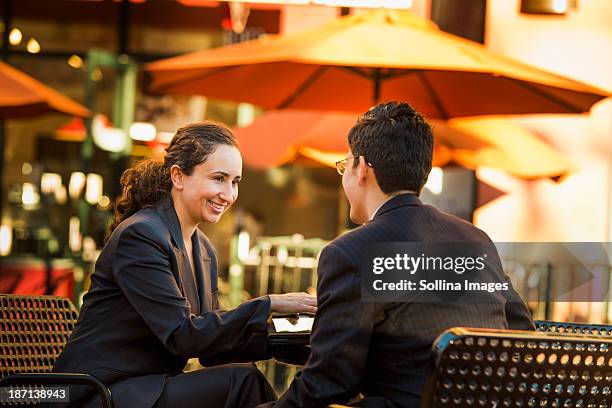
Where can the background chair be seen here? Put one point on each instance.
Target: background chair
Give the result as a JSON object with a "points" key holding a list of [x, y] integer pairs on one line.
{"points": [[34, 330]]}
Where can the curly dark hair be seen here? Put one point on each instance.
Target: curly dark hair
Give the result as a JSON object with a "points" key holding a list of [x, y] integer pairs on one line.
{"points": [[397, 141], [149, 180]]}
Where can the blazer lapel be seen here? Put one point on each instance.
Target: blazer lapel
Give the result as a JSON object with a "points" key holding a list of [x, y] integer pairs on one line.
{"points": [[186, 277], [202, 264], [166, 210], [189, 284]]}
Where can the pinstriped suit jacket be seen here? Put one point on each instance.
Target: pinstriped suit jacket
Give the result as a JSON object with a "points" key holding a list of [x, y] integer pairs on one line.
{"points": [[383, 349]]}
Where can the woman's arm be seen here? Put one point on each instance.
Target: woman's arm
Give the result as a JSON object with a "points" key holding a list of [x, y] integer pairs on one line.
{"points": [[141, 268]]}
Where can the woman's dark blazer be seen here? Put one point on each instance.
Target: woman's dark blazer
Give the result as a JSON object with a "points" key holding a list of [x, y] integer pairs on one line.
{"points": [[146, 313]]}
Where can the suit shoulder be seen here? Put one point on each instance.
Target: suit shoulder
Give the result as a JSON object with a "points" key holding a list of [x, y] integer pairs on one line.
{"points": [[143, 223], [427, 223], [464, 224], [352, 241], [143, 230]]}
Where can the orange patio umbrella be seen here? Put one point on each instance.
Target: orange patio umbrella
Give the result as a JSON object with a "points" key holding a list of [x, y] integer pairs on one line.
{"points": [[279, 137], [24, 96], [501, 144], [358, 60]]}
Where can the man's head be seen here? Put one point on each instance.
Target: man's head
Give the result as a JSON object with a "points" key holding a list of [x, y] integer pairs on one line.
{"points": [[391, 146]]}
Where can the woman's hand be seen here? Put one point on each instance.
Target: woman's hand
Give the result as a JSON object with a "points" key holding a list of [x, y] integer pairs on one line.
{"points": [[293, 303]]}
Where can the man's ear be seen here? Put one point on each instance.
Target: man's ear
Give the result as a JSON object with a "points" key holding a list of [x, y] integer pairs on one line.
{"points": [[176, 175], [362, 171]]}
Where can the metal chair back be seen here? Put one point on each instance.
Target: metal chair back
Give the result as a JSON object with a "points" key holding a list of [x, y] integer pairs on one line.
{"points": [[33, 332], [504, 368], [574, 328]]}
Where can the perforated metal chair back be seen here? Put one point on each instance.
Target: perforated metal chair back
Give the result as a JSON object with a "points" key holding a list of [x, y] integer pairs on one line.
{"points": [[574, 328], [496, 368], [33, 332]]}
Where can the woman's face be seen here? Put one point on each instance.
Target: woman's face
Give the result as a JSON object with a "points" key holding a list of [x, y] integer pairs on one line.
{"points": [[212, 187]]}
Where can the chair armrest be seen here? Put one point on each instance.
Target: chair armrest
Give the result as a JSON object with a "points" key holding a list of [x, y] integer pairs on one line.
{"points": [[61, 378]]}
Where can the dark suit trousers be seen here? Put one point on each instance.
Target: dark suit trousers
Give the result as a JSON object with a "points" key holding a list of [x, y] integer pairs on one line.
{"points": [[227, 386]]}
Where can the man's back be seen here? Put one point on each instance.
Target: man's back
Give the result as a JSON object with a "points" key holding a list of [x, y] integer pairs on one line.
{"points": [[383, 349]]}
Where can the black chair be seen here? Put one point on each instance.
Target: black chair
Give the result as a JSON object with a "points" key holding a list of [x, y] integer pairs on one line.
{"points": [[505, 368], [33, 332], [574, 328]]}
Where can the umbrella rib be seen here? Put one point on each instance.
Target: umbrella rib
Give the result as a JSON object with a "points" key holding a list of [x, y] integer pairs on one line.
{"points": [[377, 83], [399, 73], [200, 75], [378, 77], [432, 94], [392, 73], [546, 95], [302, 88], [357, 71]]}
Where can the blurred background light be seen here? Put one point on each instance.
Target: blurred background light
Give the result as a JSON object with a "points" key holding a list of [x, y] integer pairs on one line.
{"points": [[6, 239], [165, 137], [104, 202], [435, 181], [243, 245], [89, 249], [554, 7], [111, 139], [50, 182], [75, 61], [93, 191], [15, 36], [246, 114], [107, 138], [143, 131], [278, 177], [61, 194], [395, 4], [33, 46], [96, 74], [76, 184], [29, 196], [74, 234], [26, 169]]}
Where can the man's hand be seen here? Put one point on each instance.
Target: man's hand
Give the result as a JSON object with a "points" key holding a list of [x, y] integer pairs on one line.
{"points": [[299, 302]]}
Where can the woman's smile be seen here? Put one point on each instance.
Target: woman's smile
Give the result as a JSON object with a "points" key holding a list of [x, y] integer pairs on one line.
{"points": [[216, 207]]}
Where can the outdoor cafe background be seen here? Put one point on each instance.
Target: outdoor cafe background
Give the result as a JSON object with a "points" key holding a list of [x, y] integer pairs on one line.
{"points": [[526, 178]]}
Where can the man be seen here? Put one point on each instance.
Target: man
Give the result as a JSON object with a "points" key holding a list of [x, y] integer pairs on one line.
{"points": [[382, 349]]}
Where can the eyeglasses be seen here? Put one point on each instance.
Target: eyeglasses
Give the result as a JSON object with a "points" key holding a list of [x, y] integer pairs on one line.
{"points": [[341, 165]]}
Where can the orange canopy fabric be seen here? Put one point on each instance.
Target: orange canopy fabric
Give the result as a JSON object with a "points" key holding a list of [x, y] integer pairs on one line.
{"points": [[279, 137], [23, 96], [355, 61], [501, 144]]}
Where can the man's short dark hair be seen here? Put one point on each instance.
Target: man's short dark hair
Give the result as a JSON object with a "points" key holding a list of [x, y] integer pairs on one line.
{"points": [[397, 141]]}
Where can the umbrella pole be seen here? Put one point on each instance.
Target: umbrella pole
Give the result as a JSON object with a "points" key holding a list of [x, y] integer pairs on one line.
{"points": [[475, 198], [376, 83], [1, 169]]}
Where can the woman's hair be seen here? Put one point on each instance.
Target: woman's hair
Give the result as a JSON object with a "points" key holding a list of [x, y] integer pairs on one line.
{"points": [[149, 180]]}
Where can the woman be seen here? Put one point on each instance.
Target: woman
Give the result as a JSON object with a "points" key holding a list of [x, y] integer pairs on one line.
{"points": [[153, 303]]}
